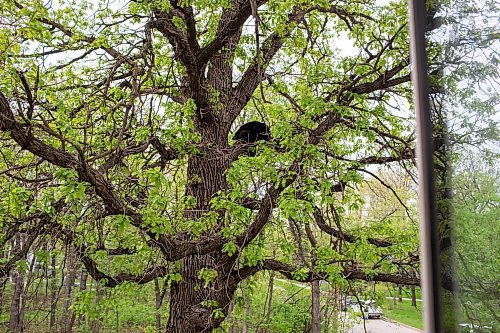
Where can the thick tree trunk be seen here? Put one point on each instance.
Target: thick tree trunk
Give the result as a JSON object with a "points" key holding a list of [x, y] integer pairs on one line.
{"points": [[189, 308], [192, 303], [316, 309]]}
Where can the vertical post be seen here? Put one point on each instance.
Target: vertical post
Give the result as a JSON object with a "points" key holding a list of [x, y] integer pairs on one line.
{"points": [[429, 237]]}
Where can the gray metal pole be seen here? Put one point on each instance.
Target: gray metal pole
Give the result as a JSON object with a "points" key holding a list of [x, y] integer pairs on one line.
{"points": [[429, 236]]}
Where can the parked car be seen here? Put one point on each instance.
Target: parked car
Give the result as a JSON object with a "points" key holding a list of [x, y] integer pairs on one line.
{"points": [[374, 313], [369, 310]]}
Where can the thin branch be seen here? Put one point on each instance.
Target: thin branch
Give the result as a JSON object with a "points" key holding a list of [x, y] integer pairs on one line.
{"points": [[320, 221]]}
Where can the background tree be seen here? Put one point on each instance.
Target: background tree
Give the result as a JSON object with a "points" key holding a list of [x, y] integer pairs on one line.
{"points": [[476, 204], [464, 101], [115, 123]]}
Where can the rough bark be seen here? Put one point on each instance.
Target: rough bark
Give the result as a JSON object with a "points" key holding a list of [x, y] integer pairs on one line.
{"points": [[189, 311]]}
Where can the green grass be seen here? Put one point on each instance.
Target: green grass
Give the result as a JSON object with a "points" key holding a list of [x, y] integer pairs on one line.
{"points": [[404, 312], [406, 292]]}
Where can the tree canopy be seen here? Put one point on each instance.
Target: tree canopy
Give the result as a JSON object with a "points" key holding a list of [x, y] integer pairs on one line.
{"points": [[116, 121]]}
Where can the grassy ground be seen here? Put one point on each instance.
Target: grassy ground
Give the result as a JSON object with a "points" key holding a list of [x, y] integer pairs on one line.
{"points": [[404, 313]]}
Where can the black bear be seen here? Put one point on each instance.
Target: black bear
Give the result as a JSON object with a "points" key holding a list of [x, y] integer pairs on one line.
{"points": [[252, 132]]}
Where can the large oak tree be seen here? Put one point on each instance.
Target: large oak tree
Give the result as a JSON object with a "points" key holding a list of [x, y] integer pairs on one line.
{"points": [[116, 121]]}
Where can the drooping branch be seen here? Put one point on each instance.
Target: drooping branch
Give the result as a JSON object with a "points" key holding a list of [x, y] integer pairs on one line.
{"points": [[320, 221], [33, 225], [406, 154], [68, 236], [292, 273], [60, 158], [18, 255], [149, 274]]}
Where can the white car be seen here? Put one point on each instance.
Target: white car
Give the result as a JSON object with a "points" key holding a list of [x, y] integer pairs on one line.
{"points": [[369, 310], [372, 313]]}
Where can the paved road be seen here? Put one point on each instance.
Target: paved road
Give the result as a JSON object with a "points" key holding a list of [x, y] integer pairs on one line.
{"points": [[380, 326]]}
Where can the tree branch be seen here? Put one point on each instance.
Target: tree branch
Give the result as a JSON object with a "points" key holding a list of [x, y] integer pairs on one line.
{"points": [[290, 273], [320, 221], [254, 74], [230, 24]]}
